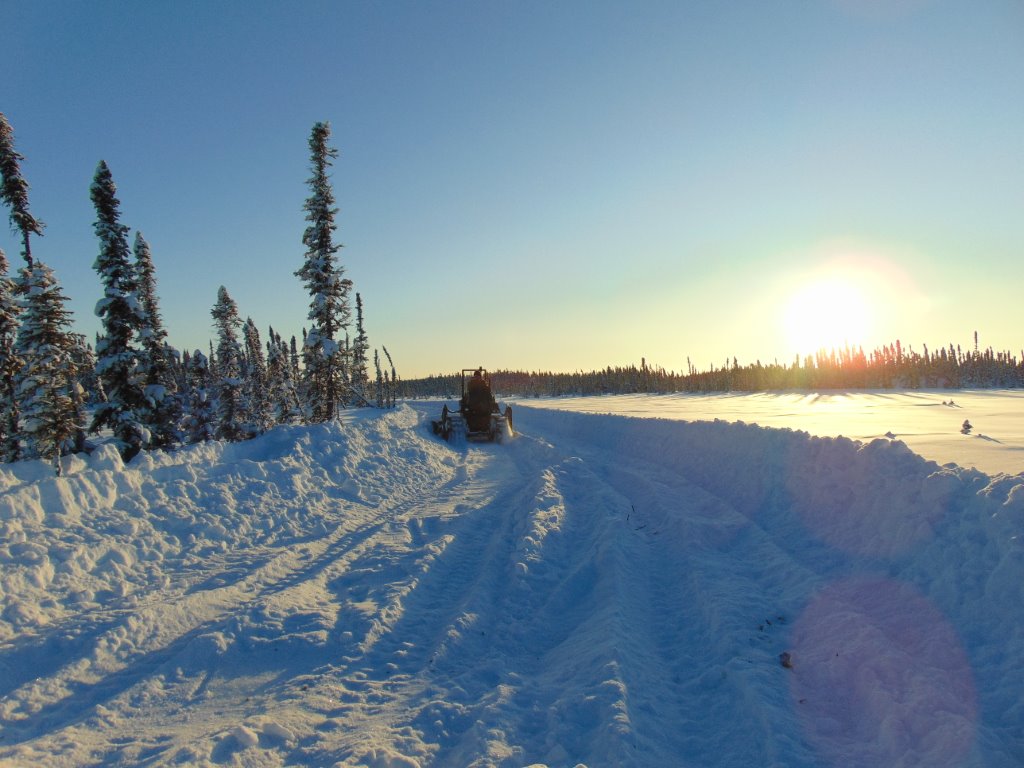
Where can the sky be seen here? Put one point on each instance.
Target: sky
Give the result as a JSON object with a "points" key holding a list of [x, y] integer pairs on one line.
{"points": [[544, 186]]}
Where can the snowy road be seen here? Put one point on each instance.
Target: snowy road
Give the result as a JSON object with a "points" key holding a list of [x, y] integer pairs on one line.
{"points": [[601, 590]]}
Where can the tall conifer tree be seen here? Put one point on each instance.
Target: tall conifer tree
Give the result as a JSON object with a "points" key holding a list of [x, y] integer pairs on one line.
{"points": [[360, 349], [329, 308], [50, 397], [122, 317], [232, 416], [14, 190], [380, 379], [10, 422], [255, 389], [393, 380], [293, 359], [161, 409]]}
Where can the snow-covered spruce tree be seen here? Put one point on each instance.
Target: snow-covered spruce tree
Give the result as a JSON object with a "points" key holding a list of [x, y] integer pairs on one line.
{"points": [[85, 362], [212, 361], [255, 387], [284, 401], [14, 190], [179, 371], [122, 317], [49, 395], [10, 422], [161, 409], [360, 349], [200, 422], [291, 378], [329, 311], [232, 409]]}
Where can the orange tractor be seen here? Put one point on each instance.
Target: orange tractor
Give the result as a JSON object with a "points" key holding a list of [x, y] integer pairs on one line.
{"points": [[478, 418]]}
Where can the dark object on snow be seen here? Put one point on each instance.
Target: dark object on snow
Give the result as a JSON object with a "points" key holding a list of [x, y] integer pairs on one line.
{"points": [[786, 660], [967, 427], [478, 417]]}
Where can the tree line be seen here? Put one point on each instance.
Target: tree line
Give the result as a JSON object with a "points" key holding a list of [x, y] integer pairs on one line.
{"points": [[133, 387], [889, 367]]}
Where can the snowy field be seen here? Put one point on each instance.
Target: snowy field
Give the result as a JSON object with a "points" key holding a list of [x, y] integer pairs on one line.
{"points": [[928, 421], [602, 590]]}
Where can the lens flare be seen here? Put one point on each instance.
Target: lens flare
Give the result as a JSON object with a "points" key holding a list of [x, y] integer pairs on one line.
{"points": [[880, 677]]}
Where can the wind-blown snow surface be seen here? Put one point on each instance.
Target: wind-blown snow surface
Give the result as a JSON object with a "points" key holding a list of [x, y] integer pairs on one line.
{"points": [[600, 590], [928, 421]]}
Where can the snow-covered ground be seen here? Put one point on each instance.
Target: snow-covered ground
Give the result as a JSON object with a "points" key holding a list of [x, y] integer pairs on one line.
{"points": [[602, 590], [927, 421]]}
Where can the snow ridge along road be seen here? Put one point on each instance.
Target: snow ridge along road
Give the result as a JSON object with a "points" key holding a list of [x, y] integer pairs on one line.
{"points": [[599, 591]]}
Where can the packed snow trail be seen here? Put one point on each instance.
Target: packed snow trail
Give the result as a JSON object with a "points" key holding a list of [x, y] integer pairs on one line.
{"points": [[599, 591]]}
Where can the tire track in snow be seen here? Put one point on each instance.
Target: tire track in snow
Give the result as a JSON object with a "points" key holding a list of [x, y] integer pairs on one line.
{"points": [[431, 625], [695, 580], [314, 570], [533, 652], [132, 644], [142, 639], [510, 609], [698, 653]]}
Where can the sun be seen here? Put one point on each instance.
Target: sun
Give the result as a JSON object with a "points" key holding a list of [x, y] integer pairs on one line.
{"points": [[827, 312]]}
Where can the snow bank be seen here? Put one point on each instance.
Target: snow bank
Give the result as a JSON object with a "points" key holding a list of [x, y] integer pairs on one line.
{"points": [[909, 588]]}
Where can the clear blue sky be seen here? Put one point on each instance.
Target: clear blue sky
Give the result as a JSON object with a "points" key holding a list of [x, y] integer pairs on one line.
{"points": [[545, 185]]}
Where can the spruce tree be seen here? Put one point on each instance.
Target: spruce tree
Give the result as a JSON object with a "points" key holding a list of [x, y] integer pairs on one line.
{"points": [[380, 379], [306, 382], [85, 362], [293, 358], [161, 410], [49, 395], [122, 317], [255, 388], [281, 390], [323, 276], [200, 422], [177, 362], [232, 416], [10, 444], [392, 381], [360, 349], [14, 190]]}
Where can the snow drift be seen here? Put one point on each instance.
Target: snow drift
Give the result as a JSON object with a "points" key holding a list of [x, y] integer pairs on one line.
{"points": [[600, 591]]}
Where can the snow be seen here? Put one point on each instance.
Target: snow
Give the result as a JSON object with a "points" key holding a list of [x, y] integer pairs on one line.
{"points": [[927, 421], [600, 590]]}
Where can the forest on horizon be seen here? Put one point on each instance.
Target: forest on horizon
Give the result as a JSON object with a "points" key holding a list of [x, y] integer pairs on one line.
{"points": [[889, 367]]}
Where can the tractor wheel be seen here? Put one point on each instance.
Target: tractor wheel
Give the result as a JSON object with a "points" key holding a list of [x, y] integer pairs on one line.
{"points": [[443, 426]]}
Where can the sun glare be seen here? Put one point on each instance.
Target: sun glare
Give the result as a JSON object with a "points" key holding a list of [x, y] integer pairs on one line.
{"points": [[827, 313]]}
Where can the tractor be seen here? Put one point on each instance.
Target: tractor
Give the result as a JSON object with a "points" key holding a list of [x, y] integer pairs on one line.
{"points": [[478, 418]]}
